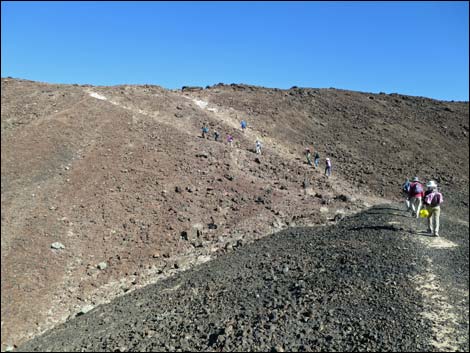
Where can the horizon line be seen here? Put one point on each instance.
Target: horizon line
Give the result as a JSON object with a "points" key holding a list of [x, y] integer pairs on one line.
{"points": [[231, 84]]}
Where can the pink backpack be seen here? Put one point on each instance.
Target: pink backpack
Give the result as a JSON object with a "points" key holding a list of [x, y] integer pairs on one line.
{"points": [[416, 188], [433, 199]]}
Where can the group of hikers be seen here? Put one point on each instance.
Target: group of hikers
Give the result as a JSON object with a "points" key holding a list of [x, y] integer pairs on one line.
{"points": [[316, 161], [216, 135], [431, 198], [413, 190], [258, 147]]}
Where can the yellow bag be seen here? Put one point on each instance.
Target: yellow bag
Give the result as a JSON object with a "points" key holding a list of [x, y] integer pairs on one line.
{"points": [[424, 213]]}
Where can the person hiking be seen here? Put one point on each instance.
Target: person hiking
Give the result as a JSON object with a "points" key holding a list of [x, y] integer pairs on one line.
{"points": [[308, 155], [327, 167], [243, 125], [230, 140], [258, 147], [205, 130], [406, 190], [216, 135], [415, 194], [432, 200], [316, 160]]}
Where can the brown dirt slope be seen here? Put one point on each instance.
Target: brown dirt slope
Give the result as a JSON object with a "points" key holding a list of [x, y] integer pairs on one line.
{"points": [[121, 175]]}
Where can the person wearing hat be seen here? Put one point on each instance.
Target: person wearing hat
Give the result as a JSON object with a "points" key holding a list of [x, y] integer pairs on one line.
{"points": [[258, 146], [328, 167], [316, 159], [243, 125], [416, 193], [205, 130], [308, 155], [432, 200], [230, 140], [406, 190]]}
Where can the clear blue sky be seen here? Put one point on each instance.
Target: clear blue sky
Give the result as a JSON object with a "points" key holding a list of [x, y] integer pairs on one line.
{"points": [[415, 48]]}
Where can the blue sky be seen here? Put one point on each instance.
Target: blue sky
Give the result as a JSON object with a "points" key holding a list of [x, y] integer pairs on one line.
{"points": [[415, 48]]}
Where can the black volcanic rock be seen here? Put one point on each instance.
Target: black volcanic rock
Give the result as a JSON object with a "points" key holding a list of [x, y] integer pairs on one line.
{"points": [[346, 287]]}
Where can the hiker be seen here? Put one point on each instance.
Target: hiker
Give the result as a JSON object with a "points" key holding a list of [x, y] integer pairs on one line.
{"points": [[308, 155], [230, 140], [327, 167], [406, 190], [258, 147], [316, 160], [415, 194], [205, 130], [432, 200], [243, 125], [216, 135]]}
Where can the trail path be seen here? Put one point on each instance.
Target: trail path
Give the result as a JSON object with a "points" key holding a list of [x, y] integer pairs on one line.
{"points": [[229, 117]]}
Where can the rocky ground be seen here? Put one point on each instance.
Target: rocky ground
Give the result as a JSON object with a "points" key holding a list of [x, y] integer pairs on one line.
{"points": [[367, 283], [120, 178]]}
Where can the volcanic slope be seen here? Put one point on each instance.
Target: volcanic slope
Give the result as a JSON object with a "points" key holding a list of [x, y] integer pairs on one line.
{"points": [[121, 175], [367, 283]]}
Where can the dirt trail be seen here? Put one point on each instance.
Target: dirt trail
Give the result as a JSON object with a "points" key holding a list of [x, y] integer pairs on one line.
{"points": [[155, 115], [444, 299], [230, 117], [440, 306]]}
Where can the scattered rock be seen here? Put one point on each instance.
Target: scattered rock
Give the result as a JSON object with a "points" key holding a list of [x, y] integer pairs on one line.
{"points": [[344, 198], [102, 266], [338, 217], [191, 88], [184, 235], [85, 309], [57, 246], [260, 199], [196, 231], [197, 243], [239, 243], [212, 226]]}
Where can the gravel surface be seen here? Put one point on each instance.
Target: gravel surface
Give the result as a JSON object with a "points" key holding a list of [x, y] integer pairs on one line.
{"points": [[121, 176], [351, 286]]}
